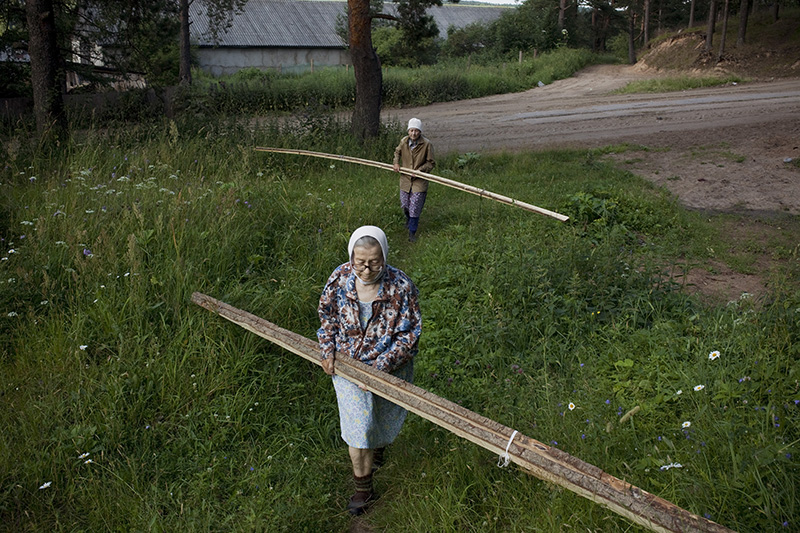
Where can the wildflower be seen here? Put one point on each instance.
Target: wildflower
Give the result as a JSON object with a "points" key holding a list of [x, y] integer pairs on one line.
{"points": [[26, 223], [12, 251], [679, 392], [571, 406], [12, 314], [83, 455], [32, 179], [61, 243], [88, 461], [608, 402], [83, 347], [713, 355], [43, 302], [686, 424], [45, 485], [699, 387], [87, 252]]}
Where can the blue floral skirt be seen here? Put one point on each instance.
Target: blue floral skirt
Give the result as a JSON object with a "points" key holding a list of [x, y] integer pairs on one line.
{"points": [[367, 420]]}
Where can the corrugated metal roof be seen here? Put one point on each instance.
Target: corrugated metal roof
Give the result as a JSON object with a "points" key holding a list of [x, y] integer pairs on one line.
{"points": [[310, 24]]}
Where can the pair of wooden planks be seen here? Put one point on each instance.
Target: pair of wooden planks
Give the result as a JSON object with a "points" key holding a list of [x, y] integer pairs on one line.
{"points": [[544, 462], [431, 177]]}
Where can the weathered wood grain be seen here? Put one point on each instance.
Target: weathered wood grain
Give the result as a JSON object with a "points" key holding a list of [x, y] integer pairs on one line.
{"points": [[546, 463]]}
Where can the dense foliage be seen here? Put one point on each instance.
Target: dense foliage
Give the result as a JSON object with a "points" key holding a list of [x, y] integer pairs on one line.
{"points": [[257, 92], [128, 408]]}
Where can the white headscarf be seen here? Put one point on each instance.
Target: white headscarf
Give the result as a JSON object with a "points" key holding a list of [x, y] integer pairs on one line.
{"points": [[369, 231]]}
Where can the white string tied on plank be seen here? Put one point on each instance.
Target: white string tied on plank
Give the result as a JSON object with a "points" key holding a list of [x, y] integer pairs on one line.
{"points": [[502, 461]]}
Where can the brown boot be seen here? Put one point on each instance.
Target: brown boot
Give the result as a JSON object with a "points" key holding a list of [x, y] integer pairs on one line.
{"points": [[363, 497]]}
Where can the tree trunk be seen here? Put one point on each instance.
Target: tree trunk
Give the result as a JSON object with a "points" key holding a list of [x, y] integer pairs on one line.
{"points": [[659, 27], [646, 24], [712, 20], [367, 69], [562, 10], [48, 103], [775, 10], [743, 12], [691, 14], [185, 70], [631, 30], [724, 30]]}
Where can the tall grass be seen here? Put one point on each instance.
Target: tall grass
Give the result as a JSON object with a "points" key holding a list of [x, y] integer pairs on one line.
{"points": [[256, 92], [191, 423]]}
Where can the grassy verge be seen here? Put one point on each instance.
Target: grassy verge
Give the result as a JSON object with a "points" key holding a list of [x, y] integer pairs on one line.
{"points": [[129, 409], [257, 92], [680, 83]]}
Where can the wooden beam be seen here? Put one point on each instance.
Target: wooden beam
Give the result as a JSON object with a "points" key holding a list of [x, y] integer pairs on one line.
{"points": [[546, 463], [432, 177]]}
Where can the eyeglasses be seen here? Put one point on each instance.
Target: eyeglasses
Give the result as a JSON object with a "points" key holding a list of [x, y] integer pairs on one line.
{"points": [[372, 266]]}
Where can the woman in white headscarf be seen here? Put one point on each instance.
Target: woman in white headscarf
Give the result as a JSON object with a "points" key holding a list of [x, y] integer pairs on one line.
{"points": [[415, 152], [368, 311]]}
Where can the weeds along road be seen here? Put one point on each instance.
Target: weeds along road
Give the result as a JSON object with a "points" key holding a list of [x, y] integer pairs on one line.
{"points": [[580, 112]]}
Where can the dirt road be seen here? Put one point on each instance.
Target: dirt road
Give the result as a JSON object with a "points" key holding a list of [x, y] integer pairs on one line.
{"points": [[720, 148]]}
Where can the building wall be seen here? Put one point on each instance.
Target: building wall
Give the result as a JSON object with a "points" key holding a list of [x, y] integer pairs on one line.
{"points": [[221, 61]]}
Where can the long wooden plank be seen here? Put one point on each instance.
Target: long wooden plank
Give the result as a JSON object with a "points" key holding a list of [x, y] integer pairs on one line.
{"points": [[546, 463], [432, 177]]}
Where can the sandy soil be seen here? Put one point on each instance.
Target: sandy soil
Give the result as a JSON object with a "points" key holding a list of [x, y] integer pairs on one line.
{"points": [[720, 149]]}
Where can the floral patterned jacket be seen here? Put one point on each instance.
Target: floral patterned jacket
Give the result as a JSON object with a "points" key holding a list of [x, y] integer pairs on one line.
{"points": [[392, 334]]}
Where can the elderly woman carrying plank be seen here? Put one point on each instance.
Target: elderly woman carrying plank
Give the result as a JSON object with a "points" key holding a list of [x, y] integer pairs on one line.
{"points": [[368, 311], [414, 152]]}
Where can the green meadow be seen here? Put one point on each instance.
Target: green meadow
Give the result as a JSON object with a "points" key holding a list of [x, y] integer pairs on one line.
{"points": [[128, 408]]}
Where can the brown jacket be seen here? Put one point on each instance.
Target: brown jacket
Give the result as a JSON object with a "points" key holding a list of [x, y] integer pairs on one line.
{"points": [[418, 158]]}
